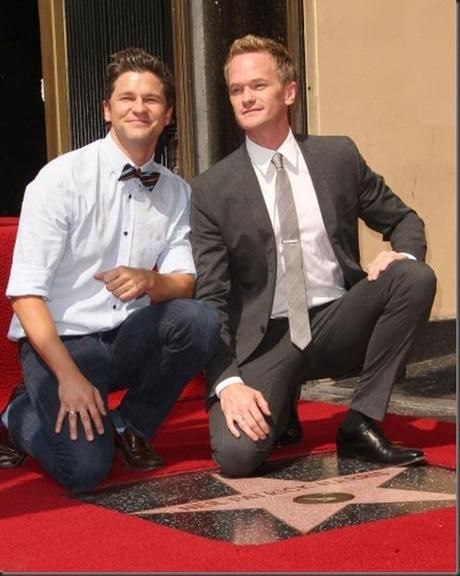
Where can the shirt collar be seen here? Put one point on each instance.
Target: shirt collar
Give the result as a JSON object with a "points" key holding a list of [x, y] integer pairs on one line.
{"points": [[261, 157], [118, 158]]}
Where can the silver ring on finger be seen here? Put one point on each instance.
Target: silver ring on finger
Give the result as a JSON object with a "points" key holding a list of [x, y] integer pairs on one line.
{"points": [[72, 412]]}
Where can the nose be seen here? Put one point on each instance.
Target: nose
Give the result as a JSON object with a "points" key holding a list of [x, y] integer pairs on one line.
{"points": [[248, 96], [138, 105]]}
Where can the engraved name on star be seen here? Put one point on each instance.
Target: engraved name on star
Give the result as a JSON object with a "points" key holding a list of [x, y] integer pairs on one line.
{"points": [[305, 505]]}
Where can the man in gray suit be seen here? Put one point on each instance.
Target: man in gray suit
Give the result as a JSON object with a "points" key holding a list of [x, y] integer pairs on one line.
{"points": [[356, 319]]}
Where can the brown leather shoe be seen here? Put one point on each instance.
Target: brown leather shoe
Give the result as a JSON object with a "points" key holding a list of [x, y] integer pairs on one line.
{"points": [[10, 456], [137, 452]]}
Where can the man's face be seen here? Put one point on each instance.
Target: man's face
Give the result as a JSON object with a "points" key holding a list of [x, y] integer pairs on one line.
{"points": [[259, 100], [137, 110]]}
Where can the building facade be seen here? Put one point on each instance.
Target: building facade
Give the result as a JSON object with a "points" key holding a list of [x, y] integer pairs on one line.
{"points": [[380, 71]]}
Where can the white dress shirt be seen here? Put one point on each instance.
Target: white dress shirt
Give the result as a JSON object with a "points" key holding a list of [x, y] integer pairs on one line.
{"points": [[323, 276], [78, 219]]}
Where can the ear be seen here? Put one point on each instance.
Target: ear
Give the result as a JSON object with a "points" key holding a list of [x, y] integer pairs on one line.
{"points": [[107, 113], [168, 116], [290, 92]]}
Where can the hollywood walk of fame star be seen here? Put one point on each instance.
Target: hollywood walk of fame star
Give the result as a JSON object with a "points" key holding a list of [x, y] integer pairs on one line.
{"points": [[304, 505]]}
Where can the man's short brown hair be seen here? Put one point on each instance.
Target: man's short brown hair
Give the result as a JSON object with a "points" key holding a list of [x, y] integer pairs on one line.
{"points": [[138, 60], [250, 43]]}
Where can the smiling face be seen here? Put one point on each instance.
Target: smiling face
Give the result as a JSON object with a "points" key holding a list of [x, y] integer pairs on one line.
{"points": [[138, 113], [260, 101]]}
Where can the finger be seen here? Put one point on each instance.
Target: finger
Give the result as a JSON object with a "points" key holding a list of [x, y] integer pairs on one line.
{"points": [[123, 288], [373, 271], [73, 418], [116, 285], [378, 269], [86, 423], [107, 276], [249, 431], [263, 404], [126, 292], [384, 265], [94, 413], [60, 419], [258, 424], [99, 402], [231, 426]]}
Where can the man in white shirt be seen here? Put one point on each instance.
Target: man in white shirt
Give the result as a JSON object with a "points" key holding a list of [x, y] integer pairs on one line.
{"points": [[103, 233], [291, 314]]}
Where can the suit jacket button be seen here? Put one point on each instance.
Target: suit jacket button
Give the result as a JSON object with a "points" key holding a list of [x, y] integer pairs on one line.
{"points": [[262, 329]]}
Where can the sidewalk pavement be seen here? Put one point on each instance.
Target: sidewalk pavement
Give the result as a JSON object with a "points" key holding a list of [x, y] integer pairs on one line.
{"points": [[428, 389]]}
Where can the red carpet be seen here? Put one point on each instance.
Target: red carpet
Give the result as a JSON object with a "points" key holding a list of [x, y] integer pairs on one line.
{"points": [[42, 530]]}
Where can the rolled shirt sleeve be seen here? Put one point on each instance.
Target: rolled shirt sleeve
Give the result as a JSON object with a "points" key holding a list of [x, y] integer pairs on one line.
{"points": [[42, 234], [176, 256]]}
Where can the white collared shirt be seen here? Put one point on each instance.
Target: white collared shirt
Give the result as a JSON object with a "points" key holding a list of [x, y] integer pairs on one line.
{"points": [[78, 219], [323, 276]]}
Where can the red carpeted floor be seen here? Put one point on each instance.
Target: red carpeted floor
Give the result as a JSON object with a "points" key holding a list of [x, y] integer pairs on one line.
{"points": [[42, 530]]}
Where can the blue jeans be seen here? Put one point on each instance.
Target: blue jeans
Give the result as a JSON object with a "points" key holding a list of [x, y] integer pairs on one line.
{"points": [[154, 353]]}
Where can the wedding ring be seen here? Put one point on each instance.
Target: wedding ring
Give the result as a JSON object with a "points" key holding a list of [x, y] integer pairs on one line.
{"points": [[240, 419], [72, 412]]}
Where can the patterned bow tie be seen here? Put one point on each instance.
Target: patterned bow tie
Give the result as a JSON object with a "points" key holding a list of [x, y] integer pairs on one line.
{"points": [[148, 179]]}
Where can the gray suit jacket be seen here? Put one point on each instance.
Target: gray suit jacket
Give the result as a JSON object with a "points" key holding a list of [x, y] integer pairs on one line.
{"points": [[234, 246]]}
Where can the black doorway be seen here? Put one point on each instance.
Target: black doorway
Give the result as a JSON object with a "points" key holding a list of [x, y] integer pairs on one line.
{"points": [[22, 115]]}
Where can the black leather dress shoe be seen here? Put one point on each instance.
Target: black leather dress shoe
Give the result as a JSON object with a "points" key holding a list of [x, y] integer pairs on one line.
{"points": [[137, 452], [10, 456], [293, 432], [367, 442]]}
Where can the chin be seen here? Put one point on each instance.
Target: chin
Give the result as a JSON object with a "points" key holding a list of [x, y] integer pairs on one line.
{"points": [[250, 123]]}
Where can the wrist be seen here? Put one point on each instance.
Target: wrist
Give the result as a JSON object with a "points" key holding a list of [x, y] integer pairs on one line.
{"points": [[226, 383]]}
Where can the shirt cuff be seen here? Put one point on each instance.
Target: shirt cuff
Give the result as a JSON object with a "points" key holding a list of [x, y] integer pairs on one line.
{"points": [[407, 255], [227, 382]]}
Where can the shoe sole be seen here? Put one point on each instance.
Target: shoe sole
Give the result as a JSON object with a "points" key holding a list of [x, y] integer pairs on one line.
{"points": [[135, 467], [355, 456]]}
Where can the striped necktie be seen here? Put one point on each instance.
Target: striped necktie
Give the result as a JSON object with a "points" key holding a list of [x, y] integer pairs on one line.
{"points": [[299, 321], [148, 179]]}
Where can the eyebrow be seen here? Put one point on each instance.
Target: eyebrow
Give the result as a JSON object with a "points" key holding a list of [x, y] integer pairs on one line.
{"points": [[132, 93], [261, 79]]}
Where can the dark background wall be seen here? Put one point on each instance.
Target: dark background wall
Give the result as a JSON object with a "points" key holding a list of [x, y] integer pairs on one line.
{"points": [[97, 28], [22, 114], [94, 30], [224, 21]]}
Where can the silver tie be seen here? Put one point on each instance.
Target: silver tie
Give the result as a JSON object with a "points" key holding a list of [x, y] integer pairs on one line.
{"points": [[299, 322]]}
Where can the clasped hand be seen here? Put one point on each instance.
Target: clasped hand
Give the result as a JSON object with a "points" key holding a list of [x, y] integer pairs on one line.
{"points": [[126, 283], [245, 409]]}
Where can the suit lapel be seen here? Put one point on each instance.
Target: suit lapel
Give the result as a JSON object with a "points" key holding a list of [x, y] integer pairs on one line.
{"points": [[325, 198], [249, 186]]}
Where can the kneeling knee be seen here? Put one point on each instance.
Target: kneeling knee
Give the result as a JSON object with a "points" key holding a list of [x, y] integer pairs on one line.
{"points": [[84, 473], [238, 463], [422, 284]]}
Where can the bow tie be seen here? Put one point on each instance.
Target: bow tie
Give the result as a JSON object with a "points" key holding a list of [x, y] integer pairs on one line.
{"points": [[148, 179]]}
